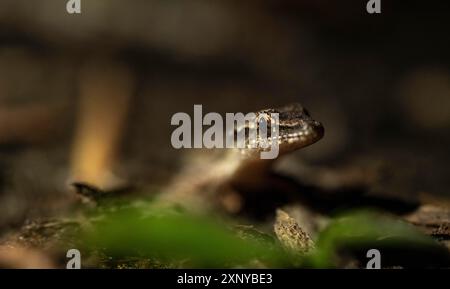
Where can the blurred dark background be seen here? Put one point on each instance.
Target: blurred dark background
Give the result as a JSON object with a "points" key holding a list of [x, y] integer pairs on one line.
{"points": [[96, 91]]}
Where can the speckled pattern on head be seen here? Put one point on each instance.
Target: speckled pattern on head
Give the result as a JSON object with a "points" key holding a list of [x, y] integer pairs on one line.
{"points": [[297, 129]]}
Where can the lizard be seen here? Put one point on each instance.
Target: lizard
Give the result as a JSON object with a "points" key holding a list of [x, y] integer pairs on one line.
{"points": [[218, 183], [234, 179]]}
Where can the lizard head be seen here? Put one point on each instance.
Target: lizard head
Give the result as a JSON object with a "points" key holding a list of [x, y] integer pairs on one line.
{"points": [[297, 129]]}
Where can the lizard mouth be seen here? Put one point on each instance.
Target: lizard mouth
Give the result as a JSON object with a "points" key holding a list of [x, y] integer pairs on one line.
{"points": [[305, 134]]}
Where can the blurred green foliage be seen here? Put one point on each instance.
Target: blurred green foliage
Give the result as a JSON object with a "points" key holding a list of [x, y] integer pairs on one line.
{"points": [[400, 243], [201, 241], [205, 242]]}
